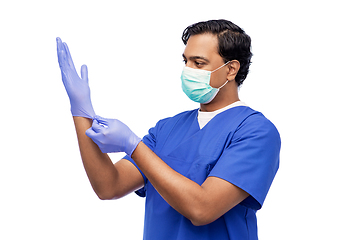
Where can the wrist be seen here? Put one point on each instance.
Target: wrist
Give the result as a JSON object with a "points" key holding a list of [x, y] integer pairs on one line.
{"points": [[79, 111], [134, 140]]}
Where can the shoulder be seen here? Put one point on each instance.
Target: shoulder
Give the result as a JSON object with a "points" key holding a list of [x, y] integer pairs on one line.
{"points": [[258, 126], [248, 118]]}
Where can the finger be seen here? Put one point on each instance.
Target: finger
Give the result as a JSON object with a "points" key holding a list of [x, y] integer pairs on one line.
{"points": [[84, 73], [97, 126], [68, 56], [60, 51], [101, 120], [58, 45]]}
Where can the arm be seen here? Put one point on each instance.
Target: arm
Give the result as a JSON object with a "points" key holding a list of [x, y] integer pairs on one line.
{"points": [[108, 180], [200, 204]]}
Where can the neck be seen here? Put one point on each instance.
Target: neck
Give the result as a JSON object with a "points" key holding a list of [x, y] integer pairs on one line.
{"points": [[226, 96], [211, 107], [218, 103]]}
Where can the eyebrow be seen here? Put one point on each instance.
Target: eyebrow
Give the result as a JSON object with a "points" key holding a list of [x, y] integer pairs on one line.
{"points": [[192, 58]]}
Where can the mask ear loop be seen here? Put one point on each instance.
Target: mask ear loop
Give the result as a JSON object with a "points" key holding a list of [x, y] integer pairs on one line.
{"points": [[221, 66], [223, 84], [218, 69]]}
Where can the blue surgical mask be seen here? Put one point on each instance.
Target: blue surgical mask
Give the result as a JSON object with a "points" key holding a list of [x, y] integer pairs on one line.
{"points": [[196, 84]]}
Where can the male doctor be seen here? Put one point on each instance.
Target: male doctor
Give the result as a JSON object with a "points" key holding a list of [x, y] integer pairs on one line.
{"points": [[204, 172]]}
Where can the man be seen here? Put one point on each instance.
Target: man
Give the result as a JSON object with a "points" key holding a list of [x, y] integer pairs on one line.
{"points": [[204, 172]]}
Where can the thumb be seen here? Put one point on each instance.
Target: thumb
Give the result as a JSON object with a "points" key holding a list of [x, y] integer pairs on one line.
{"points": [[91, 133], [95, 130], [84, 73]]}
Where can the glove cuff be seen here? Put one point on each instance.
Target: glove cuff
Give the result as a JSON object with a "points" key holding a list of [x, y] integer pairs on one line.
{"points": [[133, 143], [82, 112]]}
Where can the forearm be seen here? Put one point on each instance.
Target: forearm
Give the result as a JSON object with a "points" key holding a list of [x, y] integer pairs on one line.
{"points": [[98, 166], [183, 194], [200, 204]]}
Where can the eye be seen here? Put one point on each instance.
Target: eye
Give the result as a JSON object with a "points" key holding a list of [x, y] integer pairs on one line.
{"points": [[184, 60], [199, 64]]}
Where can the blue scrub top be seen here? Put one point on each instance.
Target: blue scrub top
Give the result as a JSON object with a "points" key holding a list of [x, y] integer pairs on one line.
{"points": [[238, 145]]}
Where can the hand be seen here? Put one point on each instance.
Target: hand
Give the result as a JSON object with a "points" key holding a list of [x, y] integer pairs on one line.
{"points": [[77, 88], [111, 135]]}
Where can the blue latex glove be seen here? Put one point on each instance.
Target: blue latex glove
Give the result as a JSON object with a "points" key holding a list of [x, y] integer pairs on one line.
{"points": [[111, 135], [77, 88]]}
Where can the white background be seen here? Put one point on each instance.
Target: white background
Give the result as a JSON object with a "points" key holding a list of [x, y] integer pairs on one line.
{"points": [[304, 78]]}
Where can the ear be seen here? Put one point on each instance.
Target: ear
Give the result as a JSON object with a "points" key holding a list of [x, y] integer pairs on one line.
{"points": [[234, 67]]}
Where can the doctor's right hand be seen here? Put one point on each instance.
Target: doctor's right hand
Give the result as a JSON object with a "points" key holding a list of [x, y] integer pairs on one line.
{"points": [[77, 88]]}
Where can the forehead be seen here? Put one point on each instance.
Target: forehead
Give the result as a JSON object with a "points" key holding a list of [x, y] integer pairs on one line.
{"points": [[205, 45]]}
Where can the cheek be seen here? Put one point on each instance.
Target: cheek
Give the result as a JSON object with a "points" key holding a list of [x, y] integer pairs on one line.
{"points": [[218, 78]]}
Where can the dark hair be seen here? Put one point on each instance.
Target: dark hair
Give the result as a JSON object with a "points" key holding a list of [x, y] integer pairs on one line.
{"points": [[234, 43]]}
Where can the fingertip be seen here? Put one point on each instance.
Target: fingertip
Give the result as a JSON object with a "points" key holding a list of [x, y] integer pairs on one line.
{"points": [[59, 44], [103, 122], [95, 121], [66, 47], [100, 119], [84, 72], [84, 69]]}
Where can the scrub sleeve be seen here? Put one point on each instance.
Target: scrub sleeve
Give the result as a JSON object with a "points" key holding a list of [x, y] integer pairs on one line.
{"points": [[251, 160]]}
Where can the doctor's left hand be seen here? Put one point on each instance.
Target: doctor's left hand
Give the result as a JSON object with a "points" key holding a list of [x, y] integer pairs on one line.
{"points": [[77, 88], [111, 135]]}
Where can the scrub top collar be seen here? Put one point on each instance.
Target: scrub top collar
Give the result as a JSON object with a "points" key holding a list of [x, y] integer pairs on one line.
{"points": [[205, 117]]}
